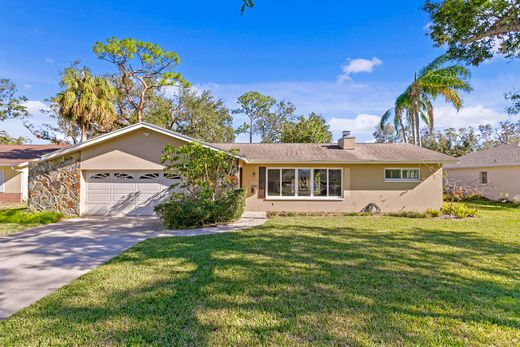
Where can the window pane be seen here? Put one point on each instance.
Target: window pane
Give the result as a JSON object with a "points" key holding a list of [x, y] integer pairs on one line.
{"points": [[411, 174], [304, 182], [320, 182], [334, 182], [392, 173], [273, 182], [288, 182], [483, 177]]}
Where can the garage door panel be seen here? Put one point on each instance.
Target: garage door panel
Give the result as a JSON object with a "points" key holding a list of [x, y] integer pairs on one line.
{"points": [[128, 193], [125, 187], [98, 209], [97, 186], [98, 197]]}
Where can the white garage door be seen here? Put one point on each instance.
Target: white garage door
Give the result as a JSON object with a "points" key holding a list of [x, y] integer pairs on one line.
{"points": [[128, 193]]}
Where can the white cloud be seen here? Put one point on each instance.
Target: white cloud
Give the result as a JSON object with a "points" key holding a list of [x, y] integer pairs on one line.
{"points": [[27, 86], [448, 117], [353, 66], [49, 60], [35, 107], [362, 124]]}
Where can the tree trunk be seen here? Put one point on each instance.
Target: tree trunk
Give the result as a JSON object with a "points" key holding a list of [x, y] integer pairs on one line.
{"points": [[405, 140], [250, 130], [412, 126], [83, 132], [419, 141]]}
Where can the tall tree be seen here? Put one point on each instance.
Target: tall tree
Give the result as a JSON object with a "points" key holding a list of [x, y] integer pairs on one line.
{"points": [[197, 115], [5, 139], [458, 142], [61, 130], [386, 134], [85, 100], [416, 102], [271, 125], [256, 107], [475, 30], [311, 129], [11, 105], [514, 97], [143, 68]]}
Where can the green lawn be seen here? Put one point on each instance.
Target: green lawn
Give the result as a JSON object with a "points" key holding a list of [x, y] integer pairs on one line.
{"points": [[15, 218], [298, 280]]}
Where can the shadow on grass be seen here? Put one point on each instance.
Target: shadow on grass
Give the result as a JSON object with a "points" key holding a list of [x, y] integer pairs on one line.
{"points": [[302, 284]]}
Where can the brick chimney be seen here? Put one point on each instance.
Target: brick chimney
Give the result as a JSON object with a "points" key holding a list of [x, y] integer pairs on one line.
{"points": [[347, 141]]}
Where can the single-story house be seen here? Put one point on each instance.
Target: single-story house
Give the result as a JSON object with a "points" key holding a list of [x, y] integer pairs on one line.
{"points": [[120, 173], [493, 173], [14, 170]]}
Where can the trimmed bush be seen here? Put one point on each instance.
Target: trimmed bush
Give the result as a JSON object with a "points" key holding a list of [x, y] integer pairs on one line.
{"points": [[191, 212], [21, 216], [458, 210]]}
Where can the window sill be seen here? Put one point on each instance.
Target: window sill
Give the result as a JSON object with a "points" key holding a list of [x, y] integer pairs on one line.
{"points": [[407, 181], [303, 198]]}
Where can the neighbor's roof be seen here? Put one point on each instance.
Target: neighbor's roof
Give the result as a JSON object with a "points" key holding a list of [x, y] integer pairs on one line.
{"points": [[16, 154], [501, 155], [332, 153]]}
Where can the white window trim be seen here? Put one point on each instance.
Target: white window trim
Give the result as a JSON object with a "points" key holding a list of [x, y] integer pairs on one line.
{"points": [[401, 179], [296, 197]]}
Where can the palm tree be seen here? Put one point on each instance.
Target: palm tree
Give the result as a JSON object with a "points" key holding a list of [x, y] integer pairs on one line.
{"points": [[85, 100], [416, 102]]}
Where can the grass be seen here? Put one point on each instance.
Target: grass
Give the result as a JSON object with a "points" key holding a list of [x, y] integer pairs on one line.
{"points": [[358, 281], [16, 219]]}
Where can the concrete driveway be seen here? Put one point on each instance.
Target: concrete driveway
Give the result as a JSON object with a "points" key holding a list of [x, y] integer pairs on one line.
{"points": [[39, 261]]}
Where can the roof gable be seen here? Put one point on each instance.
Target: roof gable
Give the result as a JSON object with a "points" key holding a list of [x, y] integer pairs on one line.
{"points": [[123, 131]]}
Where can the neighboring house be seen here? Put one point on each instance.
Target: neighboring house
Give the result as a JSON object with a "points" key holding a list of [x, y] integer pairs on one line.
{"points": [[494, 173], [13, 169], [120, 173]]}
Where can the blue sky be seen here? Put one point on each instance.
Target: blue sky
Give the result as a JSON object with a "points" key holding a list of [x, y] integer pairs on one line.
{"points": [[347, 60]]}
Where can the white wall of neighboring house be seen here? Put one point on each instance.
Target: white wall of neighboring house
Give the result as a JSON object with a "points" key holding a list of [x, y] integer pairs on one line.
{"points": [[502, 182]]}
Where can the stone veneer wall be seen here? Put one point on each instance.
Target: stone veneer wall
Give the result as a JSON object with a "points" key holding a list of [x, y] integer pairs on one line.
{"points": [[54, 185]]}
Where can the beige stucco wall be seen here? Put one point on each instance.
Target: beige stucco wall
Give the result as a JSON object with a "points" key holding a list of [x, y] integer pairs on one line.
{"points": [[12, 180], [133, 151], [362, 184], [503, 182]]}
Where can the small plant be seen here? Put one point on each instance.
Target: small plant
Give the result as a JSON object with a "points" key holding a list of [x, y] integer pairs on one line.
{"points": [[458, 210], [21, 216]]}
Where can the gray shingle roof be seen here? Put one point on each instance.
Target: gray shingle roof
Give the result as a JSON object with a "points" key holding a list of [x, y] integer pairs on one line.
{"points": [[502, 155], [16, 154], [331, 153]]}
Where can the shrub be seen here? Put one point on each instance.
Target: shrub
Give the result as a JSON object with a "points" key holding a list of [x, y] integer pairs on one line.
{"points": [[459, 210], [407, 214], [21, 216], [191, 212], [433, 213], [230, 207]]}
